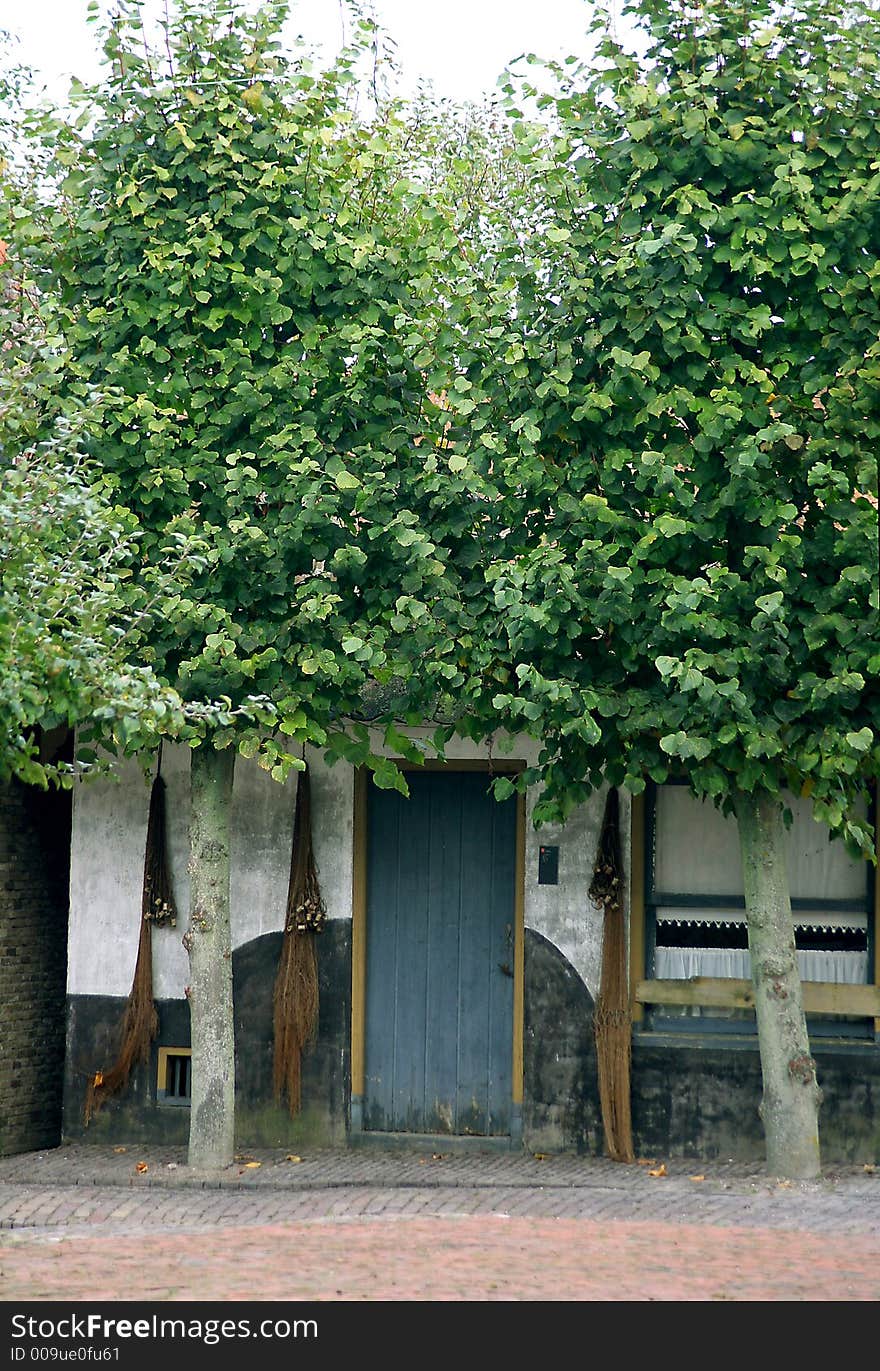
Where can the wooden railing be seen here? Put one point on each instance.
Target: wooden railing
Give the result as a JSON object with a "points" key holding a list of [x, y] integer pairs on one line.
{"points": [[820, 997]]}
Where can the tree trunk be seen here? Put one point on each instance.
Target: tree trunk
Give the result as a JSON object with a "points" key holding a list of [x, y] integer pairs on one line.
{"points": [[790, 1106], [208, 942]]}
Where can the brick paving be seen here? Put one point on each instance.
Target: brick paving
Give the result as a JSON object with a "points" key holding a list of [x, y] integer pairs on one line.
{"points": [[84, 1223]]}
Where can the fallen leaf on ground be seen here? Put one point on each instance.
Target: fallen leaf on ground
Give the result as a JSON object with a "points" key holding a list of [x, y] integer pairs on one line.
{"points": [[540, 1156], [141, 1167], [293, 1158], [697, 1178], [120, 1149], [658, 1171], [870, 1168], [250, 1165], [646, 1161]]}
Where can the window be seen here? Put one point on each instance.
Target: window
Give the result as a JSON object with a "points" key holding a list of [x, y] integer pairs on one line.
{"points": [[695, 924], [174, 1079]]}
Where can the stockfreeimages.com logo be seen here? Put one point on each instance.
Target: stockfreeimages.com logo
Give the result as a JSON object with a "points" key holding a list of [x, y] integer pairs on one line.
{"points": [[88, 1328]]}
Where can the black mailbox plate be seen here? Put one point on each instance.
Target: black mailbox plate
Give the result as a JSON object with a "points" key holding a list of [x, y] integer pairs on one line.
{"points": [[548, 865]]}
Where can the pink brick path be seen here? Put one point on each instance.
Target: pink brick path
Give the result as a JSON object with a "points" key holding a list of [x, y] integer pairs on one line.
{"points": [[469, 1258], [82, 1224]]}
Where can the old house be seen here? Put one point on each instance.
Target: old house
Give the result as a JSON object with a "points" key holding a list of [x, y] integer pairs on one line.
{"points": [[460, 963]]}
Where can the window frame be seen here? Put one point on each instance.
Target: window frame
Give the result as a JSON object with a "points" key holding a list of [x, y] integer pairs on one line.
{"points": [[162, 1062], [856, 1008]]}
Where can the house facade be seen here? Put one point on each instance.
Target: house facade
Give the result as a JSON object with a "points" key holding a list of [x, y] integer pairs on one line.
{"points": [[460, 962]]}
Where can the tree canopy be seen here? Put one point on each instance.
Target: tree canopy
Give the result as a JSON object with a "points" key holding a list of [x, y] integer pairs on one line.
{"points": [[246, 276], [683, 369]]}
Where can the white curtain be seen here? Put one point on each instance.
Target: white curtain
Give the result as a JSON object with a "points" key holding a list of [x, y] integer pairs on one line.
{"points": [[697, 852], [680, 963]]}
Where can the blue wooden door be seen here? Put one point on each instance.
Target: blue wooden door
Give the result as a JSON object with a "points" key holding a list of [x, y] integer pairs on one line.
{"points": [[441, 875]]}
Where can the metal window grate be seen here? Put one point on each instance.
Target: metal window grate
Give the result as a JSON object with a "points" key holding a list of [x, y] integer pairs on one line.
{"points": [[177, 1077]]}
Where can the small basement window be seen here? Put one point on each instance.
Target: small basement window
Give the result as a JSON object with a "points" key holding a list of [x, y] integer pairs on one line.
{"points": [[174, 1080]]}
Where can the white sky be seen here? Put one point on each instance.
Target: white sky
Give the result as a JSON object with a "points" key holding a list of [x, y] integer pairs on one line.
{"points": [[460, 46]]}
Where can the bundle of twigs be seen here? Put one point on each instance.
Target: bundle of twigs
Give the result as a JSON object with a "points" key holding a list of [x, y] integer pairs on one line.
{"points": [[140, 1021], [611, 1018], [295, 998]]}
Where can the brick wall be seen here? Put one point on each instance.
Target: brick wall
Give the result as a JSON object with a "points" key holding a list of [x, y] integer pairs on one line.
{"points": [[34, 869]]}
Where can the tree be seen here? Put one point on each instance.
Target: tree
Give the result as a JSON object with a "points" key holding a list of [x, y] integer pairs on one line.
{"points": [[246, 278], [684, 381]]}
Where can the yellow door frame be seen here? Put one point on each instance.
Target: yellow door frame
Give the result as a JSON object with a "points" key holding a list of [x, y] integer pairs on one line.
{"points": [[359, 938]]}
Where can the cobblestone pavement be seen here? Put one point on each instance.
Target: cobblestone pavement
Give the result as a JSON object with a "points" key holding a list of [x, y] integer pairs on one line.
{"points": [[85, 1223]]}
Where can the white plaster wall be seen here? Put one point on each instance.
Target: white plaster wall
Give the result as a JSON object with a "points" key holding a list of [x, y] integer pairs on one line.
{"points": [[107, 861], [333, 832], [106, 877], [564, 913]]}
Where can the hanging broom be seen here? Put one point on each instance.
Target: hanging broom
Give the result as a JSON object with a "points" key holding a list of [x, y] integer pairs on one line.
{"points": [[611, 1018], [140, 1021], [296, 984]]}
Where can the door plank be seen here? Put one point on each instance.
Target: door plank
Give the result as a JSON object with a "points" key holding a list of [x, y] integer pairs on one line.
{"points": [[381, 997], [444, 905], [412, 933], [501, 970], [472, 1097]]}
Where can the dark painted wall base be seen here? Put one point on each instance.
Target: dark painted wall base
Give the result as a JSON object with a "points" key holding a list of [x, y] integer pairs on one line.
{"points": [[561, 1110], [699, 1098], [135, 1115]]}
